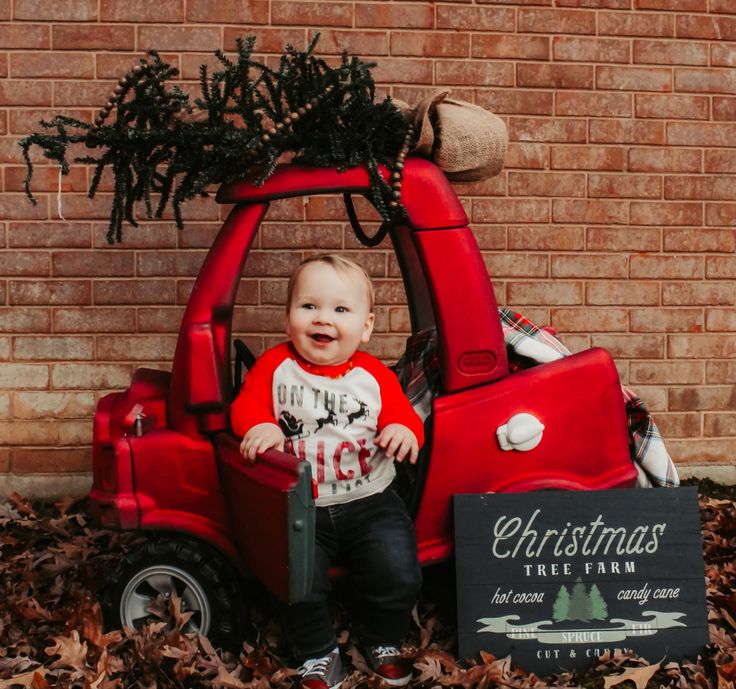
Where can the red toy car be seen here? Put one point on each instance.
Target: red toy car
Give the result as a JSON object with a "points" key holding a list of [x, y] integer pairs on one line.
{"points": [[166, 462]]}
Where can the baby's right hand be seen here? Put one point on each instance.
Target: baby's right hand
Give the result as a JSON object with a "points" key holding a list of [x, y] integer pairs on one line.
{"points": [[262, 437]]}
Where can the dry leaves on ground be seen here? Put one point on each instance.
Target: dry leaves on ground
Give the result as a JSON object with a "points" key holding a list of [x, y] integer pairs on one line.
{"points": [[52, 568]]}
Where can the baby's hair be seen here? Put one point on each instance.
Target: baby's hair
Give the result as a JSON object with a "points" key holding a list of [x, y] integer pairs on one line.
{"points": [[339, 264]]}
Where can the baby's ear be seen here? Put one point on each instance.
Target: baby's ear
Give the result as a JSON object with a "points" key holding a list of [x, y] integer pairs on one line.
{"points": [[368, 328]]}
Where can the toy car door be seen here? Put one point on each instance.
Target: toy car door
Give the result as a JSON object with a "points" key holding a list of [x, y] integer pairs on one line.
{"points": [[271, 507]]}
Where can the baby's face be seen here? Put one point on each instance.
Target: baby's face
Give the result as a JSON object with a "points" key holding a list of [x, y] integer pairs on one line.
{"points": [[329, 315]]}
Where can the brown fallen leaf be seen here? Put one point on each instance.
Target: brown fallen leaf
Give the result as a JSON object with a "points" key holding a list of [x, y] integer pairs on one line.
{"points": [[72, 653], [35, 679], [640, 676]]}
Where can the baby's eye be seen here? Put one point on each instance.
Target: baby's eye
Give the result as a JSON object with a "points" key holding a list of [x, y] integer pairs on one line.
{"points": [[308, 306], [341, 309]]}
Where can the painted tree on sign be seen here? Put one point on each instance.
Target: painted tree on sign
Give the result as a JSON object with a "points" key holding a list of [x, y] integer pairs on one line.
{"points": [[579, 608], [598, 606], [561, 606]]}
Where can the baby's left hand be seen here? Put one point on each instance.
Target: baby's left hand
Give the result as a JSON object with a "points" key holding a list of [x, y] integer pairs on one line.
{"points": [[399, 443]]}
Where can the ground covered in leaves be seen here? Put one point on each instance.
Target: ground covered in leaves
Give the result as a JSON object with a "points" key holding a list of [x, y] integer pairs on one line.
{"points": [[53, 562]]}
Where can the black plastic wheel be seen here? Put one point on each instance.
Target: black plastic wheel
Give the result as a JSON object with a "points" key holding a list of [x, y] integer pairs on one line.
{"points": [[204, 581]]}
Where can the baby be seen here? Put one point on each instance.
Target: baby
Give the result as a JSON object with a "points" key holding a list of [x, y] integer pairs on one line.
{"points": [[344, 412]]}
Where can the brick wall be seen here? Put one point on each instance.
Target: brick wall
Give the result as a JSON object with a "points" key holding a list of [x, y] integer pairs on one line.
{"points": [[613, 219]]}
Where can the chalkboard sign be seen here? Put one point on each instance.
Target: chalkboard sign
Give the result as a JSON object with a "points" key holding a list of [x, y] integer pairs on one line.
{"points": [[558, 578]]}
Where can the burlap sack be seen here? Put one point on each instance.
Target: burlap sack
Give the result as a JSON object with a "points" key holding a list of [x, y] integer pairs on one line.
{"points": [[465, 141]]}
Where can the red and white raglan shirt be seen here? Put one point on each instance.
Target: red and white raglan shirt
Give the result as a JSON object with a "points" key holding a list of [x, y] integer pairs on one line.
{"points": [[330, 416]]}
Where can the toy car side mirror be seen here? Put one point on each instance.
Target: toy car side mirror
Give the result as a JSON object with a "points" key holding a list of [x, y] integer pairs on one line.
{"points": [[203, 379]]}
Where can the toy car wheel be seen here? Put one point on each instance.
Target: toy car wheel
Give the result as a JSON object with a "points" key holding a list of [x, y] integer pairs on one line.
{"points": [[204, 582]]}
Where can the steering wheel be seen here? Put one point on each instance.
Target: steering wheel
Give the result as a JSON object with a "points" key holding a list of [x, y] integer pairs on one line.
{"points": [[244, 360]]}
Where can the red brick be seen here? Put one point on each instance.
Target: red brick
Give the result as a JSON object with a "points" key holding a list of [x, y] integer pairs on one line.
{"points": [[24, 377], [596, 266], [91, 37], [474, 73], [160, 320], [633, 78], [270, 40], [23, 121], [148, 235], [676, 5], [139, 11], [724, 109], [49, 292], [555, 76], [94, 320], [679, 425], [669, 106], [594, 104], [332, 14], [46, 179], [30, 263], [585, 211], [666, 372], [312, 235], [699, 239], [720, 319], [18, 207], [625, 186], [595, 4], [719, 425], [493, 186], [554, 21], [698, 26], [228, 11], [3, 65], [113, 66], [333, 42], [696, 346], [698, 451], [628, 292], [720, 214], [664, 160], [62, 10], [391, 70], [720, 372], [631, 346], [586, 319], [90, 376], [516, 101], [542, 292], [59, 405], [82, 263], [587, 158], [666, 320], [720, 267], [135, 347], [51, 461], [547, 130], [670, 213], [425, 44], [705, 80], [52, 64], [545, 238], [24, 320], [625, 238], [194, 38], [134, 292], [509, 265], [720, 161], [57, 234], [546, 184], [725, 6], [261, 320], [635, 24], [5, 10], [165, 263], [472, 18], [580, 49], [670, 52], [510, 210], [52, 348], [29, 36], [667, 267], [270, 264], [527, 156], [723, 55], [508, 47], [706, 398], [80, 206], [698, 293], [699, 187], [626, 132]]}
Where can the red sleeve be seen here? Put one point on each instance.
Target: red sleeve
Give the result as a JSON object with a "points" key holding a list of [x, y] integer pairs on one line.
{"points": [[254, 403], [395, 405]]}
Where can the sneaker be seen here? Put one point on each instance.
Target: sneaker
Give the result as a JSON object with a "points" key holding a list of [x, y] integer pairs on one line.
{"points": [[388, 663], [323, 673]]}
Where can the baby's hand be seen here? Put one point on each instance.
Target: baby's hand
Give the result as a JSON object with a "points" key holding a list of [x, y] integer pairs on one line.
{"points": [[262, 437], [399, 443]]}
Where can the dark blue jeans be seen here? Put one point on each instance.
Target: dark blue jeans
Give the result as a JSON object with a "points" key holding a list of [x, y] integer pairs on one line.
{"points": [[374, 538]]}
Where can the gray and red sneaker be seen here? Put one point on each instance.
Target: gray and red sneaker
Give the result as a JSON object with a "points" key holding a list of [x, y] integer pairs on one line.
{"points": [[388, 663], [326, 672]]}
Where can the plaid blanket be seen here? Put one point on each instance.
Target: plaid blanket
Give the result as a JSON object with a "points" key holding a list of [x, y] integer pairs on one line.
{"points": [[529, 345]]}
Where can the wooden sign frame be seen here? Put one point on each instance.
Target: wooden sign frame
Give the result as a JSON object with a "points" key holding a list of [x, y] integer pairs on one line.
{"points": [[558, 578]]}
